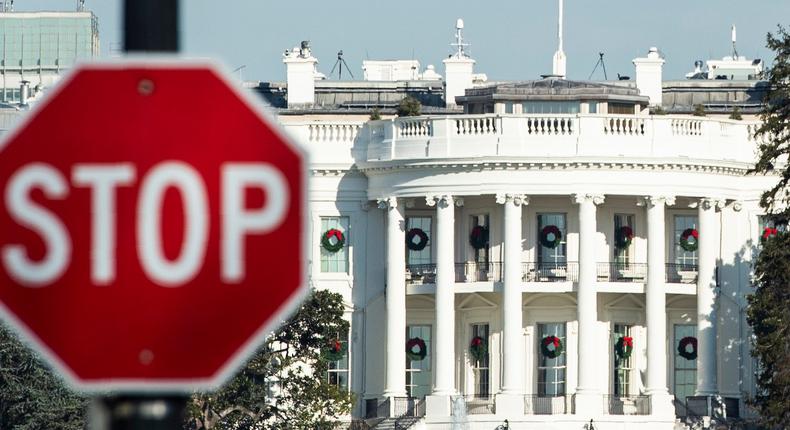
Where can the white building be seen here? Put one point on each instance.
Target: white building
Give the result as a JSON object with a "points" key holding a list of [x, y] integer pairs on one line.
{"points": [[606, 225]]}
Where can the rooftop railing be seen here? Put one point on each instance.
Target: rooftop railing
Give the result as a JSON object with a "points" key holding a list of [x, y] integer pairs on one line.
{"points": [[559, 135]]}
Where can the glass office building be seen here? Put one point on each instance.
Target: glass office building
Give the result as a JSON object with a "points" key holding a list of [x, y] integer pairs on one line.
{"points": [[38, 46]]}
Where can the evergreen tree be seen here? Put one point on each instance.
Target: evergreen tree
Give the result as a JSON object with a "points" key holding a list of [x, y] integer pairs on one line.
{"points": [[409, 106], [31, 397], [284, 386], [769, 307]]}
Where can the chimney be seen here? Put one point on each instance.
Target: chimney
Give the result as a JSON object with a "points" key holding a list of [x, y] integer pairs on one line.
{"points": [[300, 68], [458, 69], [648, 76]]}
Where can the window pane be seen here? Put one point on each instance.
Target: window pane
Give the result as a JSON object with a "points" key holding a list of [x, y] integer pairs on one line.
{"points": [[422, 256], [418, 373], [335, 261], [551, 371], [557, 254], [683, 222], [622, 255]]}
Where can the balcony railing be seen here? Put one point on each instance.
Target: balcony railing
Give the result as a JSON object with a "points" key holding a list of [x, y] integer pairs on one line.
{"points": [[478, 272], [626, 405], [542, 405], [550, 272], [479, 405], [681, 273], [622, 272], [421, 273], [559, 135], [408, 407]]}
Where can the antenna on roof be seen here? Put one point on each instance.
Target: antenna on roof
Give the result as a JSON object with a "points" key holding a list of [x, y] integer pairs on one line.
{"points": [[80, 5], [603, 65], [339, 64], [734, 50], [459, 40], [559, 56]]}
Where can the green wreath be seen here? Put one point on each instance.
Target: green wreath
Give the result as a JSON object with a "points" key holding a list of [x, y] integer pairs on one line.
{"points": [[416, 245], [478, 238], [623, 237], [339, 240], [550, 236], [551, 341], [683, 348], [478, 348], [689, 239], [416, 349], [335, 351], [624, 347]]}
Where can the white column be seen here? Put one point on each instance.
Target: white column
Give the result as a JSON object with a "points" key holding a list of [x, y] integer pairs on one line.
{"points": [[706, 296], [588, 396], [655, 298], [395, 383], [512, 326], [444, 338]]}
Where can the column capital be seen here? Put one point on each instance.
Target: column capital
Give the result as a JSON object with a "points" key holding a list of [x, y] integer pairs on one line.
{"points": [[443, 200], [580, 198], [707, 203], [652, 201], [387, 202], [516, 199]]}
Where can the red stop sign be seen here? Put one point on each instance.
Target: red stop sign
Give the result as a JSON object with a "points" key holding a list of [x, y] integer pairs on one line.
{"points": [[152, 226]]}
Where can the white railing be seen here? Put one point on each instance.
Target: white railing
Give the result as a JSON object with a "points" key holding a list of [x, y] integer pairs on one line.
{"points": [[332, 132], [477, 126], [624, 126], [550, 125], [540, 136]]}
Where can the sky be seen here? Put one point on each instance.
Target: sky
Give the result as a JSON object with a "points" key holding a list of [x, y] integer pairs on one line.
{"points": [[510, 40]]}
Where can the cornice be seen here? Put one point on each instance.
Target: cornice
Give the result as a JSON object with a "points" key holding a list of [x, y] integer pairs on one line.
{"points": [[724, 168]]}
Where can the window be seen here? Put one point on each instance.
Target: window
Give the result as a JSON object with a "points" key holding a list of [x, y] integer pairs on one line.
{"points": [[337, 371], [422, 256], [621, 109], [622, 367], [592, 107], [481, 367], [622, 255], [542, 107], [481, 255], [418, 373], [508, 107], [556, 255], [551, 371], [335, 262], [683, 257], [685, 370]]}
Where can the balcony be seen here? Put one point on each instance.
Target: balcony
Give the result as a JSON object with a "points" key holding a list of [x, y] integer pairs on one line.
{"points": [[557, 136], [550, 272], [681, 273], [479, 404], [622, 272], [542, 405], [626, 405]]}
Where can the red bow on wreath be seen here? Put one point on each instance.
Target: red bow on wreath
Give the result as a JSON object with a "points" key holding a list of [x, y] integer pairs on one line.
{"points": [[768, 232], [477, 341], [555, 341], [337, 346], [628, 341]]}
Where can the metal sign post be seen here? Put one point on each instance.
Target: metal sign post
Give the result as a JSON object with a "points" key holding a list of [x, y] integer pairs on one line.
{"points": [[149, 26]]}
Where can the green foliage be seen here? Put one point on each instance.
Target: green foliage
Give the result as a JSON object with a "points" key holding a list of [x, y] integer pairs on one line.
{"points": [[375, 114], [409, 106], [284, 385], [699, 110], [658, 110], [768, 313], [736, 114], [775, 128], [769, 316], [31, 397]]}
